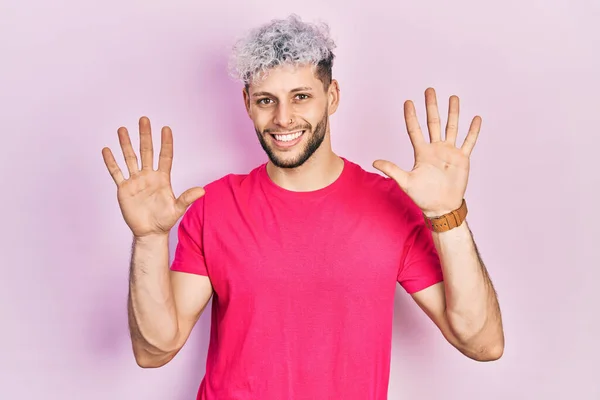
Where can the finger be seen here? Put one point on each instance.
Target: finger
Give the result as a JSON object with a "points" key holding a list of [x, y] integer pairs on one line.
{"points": [[165, 158], [130, 157], [412, 124], [471, 138], [433, 116], [112, 166], [393, 171], [188, 197], [452, 124], [146, 148]]}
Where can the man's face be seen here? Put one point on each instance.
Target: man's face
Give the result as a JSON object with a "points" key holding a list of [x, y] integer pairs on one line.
{"points": [[290, 110]]}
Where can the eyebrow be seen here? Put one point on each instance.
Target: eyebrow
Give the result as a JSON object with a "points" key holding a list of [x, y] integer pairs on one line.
{"points": [[298, 89]]}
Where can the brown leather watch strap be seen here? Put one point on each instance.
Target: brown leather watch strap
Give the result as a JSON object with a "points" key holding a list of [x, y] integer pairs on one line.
{"points": [[447, 221]]}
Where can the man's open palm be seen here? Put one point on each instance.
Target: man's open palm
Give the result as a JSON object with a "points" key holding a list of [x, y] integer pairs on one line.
{"points": [[438, 180], [146, 198]]}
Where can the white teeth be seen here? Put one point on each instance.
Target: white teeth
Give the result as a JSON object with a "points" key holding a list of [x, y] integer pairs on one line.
{"points": [[288, 137]]}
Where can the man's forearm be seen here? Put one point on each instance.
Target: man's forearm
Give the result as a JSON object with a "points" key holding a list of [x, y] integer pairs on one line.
{"points": [[472, 306], [151, 309]]}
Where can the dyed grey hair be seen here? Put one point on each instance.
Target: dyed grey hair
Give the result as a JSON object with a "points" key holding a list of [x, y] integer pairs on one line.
{"points": [[287, 41]]}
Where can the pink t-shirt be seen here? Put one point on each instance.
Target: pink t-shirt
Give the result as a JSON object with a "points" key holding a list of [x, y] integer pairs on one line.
{"points": [[304, 283]]}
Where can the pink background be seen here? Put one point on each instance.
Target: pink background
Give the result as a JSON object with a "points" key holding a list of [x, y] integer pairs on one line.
{"points": [[72, 72]]}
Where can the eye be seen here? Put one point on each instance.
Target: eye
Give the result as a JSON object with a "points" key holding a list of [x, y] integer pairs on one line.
{"points": [[302, 96], [264, 101]]}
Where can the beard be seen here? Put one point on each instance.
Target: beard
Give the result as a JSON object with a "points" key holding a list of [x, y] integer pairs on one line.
{"points": [[315, 139]]}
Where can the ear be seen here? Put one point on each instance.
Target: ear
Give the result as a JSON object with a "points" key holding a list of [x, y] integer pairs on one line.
{"points": [[246, 97], [333, 96]]}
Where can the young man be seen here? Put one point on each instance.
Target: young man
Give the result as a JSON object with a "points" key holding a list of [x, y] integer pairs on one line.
{"points": [[303, 254]]}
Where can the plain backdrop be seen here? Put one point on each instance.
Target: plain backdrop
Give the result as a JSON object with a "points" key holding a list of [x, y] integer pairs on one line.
{"points": [[72, 72]]}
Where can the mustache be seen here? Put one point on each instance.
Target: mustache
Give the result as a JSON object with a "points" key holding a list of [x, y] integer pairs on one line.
{"points": [[298, 128]]}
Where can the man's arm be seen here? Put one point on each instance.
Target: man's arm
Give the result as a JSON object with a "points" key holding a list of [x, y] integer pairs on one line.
{"points": [[163, 305], [465, 306]]}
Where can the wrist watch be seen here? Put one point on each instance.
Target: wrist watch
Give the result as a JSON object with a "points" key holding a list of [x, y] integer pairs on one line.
{"points": [[447, 221]]}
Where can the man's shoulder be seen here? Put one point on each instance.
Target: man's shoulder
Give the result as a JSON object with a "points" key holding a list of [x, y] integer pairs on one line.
{"points": [[233, 181], [371, 179], [219, 191], [381, 190]]}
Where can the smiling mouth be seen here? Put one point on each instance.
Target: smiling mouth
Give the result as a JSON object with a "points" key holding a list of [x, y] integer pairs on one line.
{"points": [[287, 137]]}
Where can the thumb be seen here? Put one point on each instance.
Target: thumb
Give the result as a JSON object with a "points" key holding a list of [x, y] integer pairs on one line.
{"points": [[188, 197], [393, 171]]}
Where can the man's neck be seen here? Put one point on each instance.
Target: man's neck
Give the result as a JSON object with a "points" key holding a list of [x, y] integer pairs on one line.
{"points": [[316, 173]]}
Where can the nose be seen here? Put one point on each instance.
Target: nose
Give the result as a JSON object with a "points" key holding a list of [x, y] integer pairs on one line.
{"points": [[283, 116]]}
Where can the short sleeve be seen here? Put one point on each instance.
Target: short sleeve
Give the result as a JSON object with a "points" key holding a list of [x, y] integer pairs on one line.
{"points": [[189, 253], [421, 266]]}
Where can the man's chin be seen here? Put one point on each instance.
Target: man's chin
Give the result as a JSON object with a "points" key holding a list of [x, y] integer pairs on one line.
{"points": [[287, 161]]}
